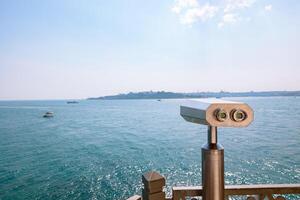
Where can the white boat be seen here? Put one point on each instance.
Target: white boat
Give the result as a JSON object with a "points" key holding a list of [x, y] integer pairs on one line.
{"points": [[48, 114]]}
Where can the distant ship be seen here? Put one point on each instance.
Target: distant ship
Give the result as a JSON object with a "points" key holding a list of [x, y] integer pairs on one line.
{"points": [[68, 102], [48, 114]]}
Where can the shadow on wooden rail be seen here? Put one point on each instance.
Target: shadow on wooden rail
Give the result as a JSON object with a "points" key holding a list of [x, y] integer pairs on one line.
{"points": [[154, 184]]}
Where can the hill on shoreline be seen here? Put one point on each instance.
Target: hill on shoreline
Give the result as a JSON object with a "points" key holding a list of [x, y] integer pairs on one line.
{"points": [[176, 95]]}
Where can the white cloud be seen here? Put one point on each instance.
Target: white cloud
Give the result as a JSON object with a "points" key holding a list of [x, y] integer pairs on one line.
{"points": [[268, 7], [183, 4], [199, 13], [232, 5], [228, 18], [190, 11]]}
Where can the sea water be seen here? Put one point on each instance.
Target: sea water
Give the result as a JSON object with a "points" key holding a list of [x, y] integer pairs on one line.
{"points": [[99, 149]]}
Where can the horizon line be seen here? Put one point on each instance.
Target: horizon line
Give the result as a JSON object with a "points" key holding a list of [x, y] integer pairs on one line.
{"points": [[154, 91]]}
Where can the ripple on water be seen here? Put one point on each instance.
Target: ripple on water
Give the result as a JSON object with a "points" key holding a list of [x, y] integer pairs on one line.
{"points": [[99, 149]]}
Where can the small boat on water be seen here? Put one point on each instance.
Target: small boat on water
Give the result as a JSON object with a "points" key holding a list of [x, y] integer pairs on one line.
{"points": [[68, 102], [48, 114]]}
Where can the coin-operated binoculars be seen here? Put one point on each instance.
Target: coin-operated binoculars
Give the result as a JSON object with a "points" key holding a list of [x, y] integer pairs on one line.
{"points": [[215, 113]]}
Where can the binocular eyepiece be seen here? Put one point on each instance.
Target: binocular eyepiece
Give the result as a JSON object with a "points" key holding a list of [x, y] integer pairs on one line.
{"points": [[237, 115], [215, 112]]}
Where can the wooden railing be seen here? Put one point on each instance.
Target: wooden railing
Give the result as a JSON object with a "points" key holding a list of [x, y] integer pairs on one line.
{"points": [[154, 184], [250, 192]]}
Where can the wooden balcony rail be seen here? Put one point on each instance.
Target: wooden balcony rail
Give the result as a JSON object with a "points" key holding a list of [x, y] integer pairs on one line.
{"points": [[251, 192], [154, 184]]}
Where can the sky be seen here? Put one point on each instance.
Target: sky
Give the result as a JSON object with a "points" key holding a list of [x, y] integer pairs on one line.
{"points": [[69, 49]]}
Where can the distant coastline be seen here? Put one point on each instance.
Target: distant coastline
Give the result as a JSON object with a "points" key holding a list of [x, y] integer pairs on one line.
{"points": [[176, 95]]}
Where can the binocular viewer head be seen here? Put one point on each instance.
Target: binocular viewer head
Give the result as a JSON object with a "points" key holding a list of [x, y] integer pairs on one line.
{"points": [[217, 112]]}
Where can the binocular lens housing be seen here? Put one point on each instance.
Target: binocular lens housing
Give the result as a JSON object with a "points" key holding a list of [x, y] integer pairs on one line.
{"points": [[221, 115], [217, 112], [238, 115]]}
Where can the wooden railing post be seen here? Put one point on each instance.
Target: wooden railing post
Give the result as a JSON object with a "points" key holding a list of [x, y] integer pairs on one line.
{"points": [[153, 186]]}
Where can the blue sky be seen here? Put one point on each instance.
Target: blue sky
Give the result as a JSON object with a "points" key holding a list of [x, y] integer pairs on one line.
{"points": [[76, 49]]}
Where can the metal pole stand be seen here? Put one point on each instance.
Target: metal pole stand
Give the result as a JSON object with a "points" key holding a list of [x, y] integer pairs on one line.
{"points": [[213, 167]]}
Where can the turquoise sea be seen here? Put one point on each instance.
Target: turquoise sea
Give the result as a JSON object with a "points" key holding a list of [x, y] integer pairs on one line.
{"points": [[99, 149]]}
